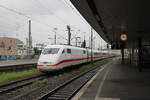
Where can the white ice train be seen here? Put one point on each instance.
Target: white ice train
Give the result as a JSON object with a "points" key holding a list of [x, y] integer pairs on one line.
{"points": [[55, 57]]}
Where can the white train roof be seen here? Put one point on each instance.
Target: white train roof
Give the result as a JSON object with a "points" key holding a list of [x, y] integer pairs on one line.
{"points": [[71, 47], [63, 46]]}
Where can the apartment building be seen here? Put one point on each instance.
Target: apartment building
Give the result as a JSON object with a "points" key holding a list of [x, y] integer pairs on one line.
{"points": [[10, 47]]}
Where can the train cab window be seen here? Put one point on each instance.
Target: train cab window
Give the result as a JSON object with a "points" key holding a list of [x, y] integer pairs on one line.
{"points": [[50, 51], [68, 50], [63, 51]]}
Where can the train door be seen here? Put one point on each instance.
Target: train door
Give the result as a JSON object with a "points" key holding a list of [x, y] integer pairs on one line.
{"points": [[63, 57], [68, 56], [87, 55]]}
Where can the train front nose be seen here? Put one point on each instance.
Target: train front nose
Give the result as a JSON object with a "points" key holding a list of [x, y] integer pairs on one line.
{"points": [[48, 59], [45, 66]]}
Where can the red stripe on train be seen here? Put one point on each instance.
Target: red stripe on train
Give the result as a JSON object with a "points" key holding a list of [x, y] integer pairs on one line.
{"points": [[69, 60]]}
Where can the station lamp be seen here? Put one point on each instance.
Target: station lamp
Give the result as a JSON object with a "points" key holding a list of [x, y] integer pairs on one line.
{"points": [[123, 37]]}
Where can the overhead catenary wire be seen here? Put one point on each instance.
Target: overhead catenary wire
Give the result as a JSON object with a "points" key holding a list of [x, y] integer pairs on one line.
{"points": [[22, 14], [68, 5], [8, 23], [41, 3], [64, 22], [49, 11], [73, 9], [33, 19]]}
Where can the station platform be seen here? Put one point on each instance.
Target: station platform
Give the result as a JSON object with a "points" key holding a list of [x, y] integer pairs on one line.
{"points": [[116, 81], [17, 62]]}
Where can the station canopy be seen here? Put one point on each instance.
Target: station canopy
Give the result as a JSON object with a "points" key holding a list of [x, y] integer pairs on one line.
{"points": [[111, 18]]}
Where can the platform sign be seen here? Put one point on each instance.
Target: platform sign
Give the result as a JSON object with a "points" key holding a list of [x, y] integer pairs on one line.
{"points": [[123, 37]]}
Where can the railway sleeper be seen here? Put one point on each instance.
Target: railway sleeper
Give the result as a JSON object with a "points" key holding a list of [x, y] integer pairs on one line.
{"points": [[56, 98], [64, 96], [58, 93]]}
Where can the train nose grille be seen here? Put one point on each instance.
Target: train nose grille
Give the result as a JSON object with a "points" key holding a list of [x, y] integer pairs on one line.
{"points": [[45, 62]]}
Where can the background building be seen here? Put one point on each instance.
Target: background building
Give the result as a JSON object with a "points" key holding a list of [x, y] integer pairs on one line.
{"points": [[11, 48]]}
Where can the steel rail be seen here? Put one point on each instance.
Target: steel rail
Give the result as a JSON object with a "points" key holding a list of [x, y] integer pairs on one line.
{"points": [[68, 89], [8, 87]]}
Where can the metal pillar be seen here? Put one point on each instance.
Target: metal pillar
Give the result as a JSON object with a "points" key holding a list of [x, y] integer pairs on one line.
{"points": [[140, 54], [91, 44], [27, 41], [76, 41], [130, 55], [55, 38], [133, 55], [30, 39], [122, 52], [69, 34]]}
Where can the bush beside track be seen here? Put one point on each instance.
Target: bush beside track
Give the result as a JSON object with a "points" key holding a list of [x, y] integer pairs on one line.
{"points": [[9, 76]]}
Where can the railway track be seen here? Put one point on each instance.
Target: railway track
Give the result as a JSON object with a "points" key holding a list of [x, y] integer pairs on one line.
{"points": [[11, 86], [65, 90], [19, 67], [68, 89]]}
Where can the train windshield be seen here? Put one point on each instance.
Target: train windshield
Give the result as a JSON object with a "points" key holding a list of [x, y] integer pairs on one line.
{"points": [[50, 51]]}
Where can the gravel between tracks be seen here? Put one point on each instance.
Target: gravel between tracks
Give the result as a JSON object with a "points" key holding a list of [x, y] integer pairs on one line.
{"points": [[34, 91]]}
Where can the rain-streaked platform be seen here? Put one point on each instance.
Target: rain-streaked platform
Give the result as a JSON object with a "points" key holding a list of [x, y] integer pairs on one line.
{"points": [[117, 82]]}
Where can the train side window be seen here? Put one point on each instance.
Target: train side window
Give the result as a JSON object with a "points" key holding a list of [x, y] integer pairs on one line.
{"points": [[84, 51], [68, 50]]}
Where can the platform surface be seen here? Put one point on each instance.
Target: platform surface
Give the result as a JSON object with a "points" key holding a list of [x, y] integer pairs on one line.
{"points": [[118, 82], [17, 62]]}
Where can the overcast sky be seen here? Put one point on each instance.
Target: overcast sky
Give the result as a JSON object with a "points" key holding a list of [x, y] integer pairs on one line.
{"points": [[45, 16]]}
